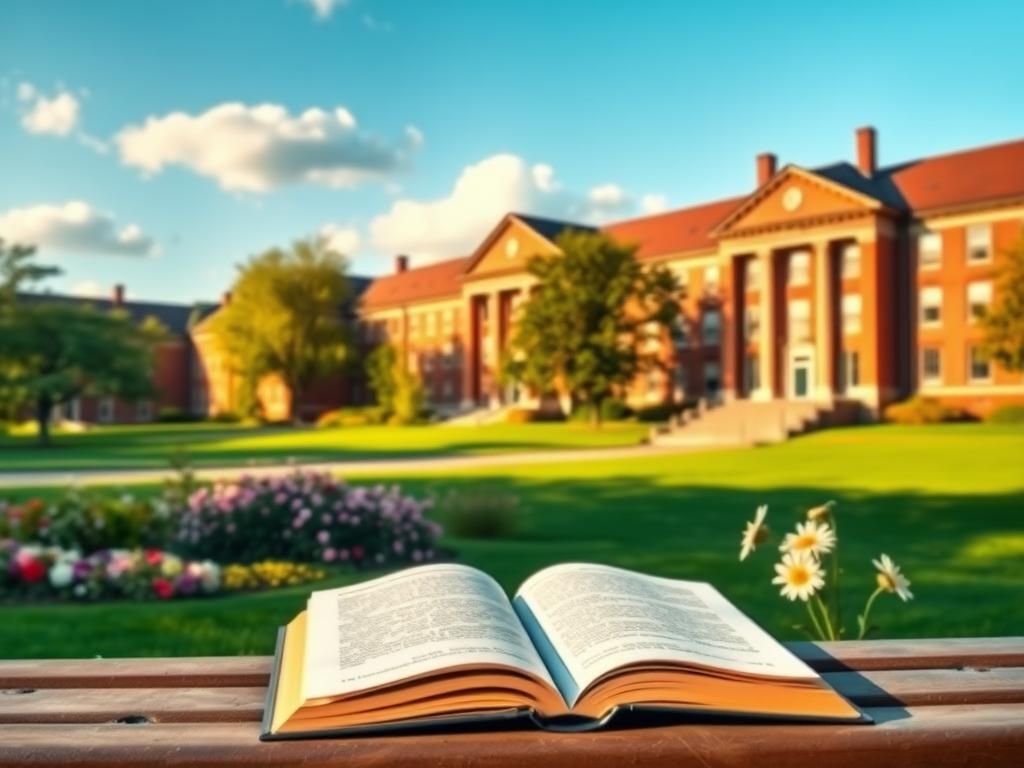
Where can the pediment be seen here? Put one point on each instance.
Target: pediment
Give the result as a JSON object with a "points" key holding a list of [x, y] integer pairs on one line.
{"points": [[795, 197], [508, 248]]}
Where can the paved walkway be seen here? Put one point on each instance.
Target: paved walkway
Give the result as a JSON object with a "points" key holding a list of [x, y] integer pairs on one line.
{"points": [[49, 478]]}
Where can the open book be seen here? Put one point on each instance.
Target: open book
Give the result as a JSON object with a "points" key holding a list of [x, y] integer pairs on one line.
{"points": [[443, 644]]}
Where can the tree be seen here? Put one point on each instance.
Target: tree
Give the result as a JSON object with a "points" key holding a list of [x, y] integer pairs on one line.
{"points": [[397, 390], [1004, 320], [51, 353], [285, 316], [584, 325]]}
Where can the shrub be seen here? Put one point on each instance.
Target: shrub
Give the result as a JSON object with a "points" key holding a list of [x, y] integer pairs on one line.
{"points": [[88, 521], [225, 417], [655, 413], [171, 415], [480, 514], [1007, 414], [34, 570], [306, 517], [613, 409], [921, 410], [352, 417], [270, 574]]}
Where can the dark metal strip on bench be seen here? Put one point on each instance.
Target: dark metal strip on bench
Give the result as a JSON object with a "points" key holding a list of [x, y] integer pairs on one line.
{"points": [[949, 653], [930, 687], [988, 735]]}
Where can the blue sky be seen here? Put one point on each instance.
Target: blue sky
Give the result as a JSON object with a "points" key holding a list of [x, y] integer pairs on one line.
{"points": [[147, 115]]}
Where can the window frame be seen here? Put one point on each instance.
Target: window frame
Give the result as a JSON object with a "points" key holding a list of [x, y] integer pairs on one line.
{"points": [[804, 320], [973, 318], [923, 376], [717, 341], [971, 378], [921, 263], [969, 248], [850, 298], [926, 290], [844, 261], [805, 270]]}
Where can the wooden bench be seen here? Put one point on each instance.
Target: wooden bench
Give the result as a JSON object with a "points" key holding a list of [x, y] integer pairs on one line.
{"points": [[936, 702]]}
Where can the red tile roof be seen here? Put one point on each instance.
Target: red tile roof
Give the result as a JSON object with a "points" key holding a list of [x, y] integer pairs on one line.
{"points": [[688, 229], [962, 178], [434, 281]]}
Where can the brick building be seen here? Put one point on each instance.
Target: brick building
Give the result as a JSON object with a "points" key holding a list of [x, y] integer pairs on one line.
{"points": [[849, 281]]}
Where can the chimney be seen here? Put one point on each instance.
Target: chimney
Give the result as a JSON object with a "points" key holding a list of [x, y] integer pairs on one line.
{"points": [[225, 298], [401, 263], [118, 297], [867, 150], [766, 163]]}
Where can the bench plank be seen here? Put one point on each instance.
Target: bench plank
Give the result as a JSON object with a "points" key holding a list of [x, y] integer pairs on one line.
{"points": [[248, 671], [944, 735]]}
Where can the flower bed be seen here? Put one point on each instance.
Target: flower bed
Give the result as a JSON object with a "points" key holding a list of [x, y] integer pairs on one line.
{"points": [[34, 570], [306, 517], [269, 574]]}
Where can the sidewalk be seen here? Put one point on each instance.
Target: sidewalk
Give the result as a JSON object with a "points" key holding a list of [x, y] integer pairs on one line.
{"points": [[50, 478]]}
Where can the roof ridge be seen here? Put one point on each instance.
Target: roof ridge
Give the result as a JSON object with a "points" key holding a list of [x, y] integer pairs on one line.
{"points": [[676, 211], [943, 155]]}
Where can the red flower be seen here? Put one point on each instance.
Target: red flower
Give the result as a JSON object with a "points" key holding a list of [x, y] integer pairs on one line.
{"points": [[154, 557], [357, 552], [163, 588], [31, 570]]}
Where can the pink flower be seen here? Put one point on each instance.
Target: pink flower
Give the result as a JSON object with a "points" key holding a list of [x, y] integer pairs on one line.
{"points": [[154, 556], [323, 537], [330, 554]]}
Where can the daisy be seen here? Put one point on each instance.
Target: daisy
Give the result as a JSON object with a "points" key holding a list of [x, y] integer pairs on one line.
{"points": [[755, 533], [813, 538], [890, 579], [799, 574], [820, 512]]}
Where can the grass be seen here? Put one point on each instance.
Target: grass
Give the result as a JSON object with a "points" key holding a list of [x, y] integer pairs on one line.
{"points": [[945, 502], [151, 446]]}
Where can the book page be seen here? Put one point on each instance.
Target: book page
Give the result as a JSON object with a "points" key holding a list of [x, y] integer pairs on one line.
{"points": [[409, 623], [598, 618]]}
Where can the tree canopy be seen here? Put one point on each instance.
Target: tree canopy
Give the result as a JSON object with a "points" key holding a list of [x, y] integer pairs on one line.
{"points": [[285, 316], [1004, 320], [582, 328], [52, 352]]}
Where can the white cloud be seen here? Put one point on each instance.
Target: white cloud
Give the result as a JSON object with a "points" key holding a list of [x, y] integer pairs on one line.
{"points": [[257, 148], [88, 289], [455, 224], [55, 115], [344, 240], [74, 227], [653, 203], [323, 9]]}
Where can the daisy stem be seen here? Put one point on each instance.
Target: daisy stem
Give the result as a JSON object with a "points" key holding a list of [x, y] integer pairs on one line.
{"points": [[814, 621], [831, 634], [862, 620], [835, 575]]}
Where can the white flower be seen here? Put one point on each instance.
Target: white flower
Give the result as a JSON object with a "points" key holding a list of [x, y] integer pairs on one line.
{"points": [[756, 532], [61, 573], [814, 538], [171, 565], [210, 577], [890, 579], [799, 574]]}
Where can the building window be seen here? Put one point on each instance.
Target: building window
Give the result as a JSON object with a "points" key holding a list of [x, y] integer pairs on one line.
{"points": [[849, 260], [799, 268], [849, 369], [105, 413], [680, 332], [431, 323], [931, 306], [144, 411], [979, 243], [679, 381], [447, 356], [447, 390], [751, 323], [752, 373], [752, 275], [799, 320], [851, 314], [652, 385], [711, 280], [979, 368], [712, 380], [929, 250], [449, 322], [979, 296], [711, 328], [931, 365]]}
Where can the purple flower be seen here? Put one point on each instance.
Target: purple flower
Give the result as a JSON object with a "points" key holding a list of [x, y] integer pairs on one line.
{"points": [[330, 554], [323, 537]]}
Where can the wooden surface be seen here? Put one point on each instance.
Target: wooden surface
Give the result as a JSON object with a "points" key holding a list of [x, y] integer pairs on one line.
{"points": [[936, 703]]}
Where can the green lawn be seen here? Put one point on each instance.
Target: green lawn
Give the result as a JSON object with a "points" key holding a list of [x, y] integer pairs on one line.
{"points": [[225, 445], [947, 503]]}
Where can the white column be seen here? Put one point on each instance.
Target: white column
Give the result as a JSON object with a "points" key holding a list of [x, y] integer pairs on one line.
{"points": [[823, 313], [766, 333]]}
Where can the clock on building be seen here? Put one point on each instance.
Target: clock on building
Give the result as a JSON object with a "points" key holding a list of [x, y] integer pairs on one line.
{"points": [[792, 198], [512, 247]]}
